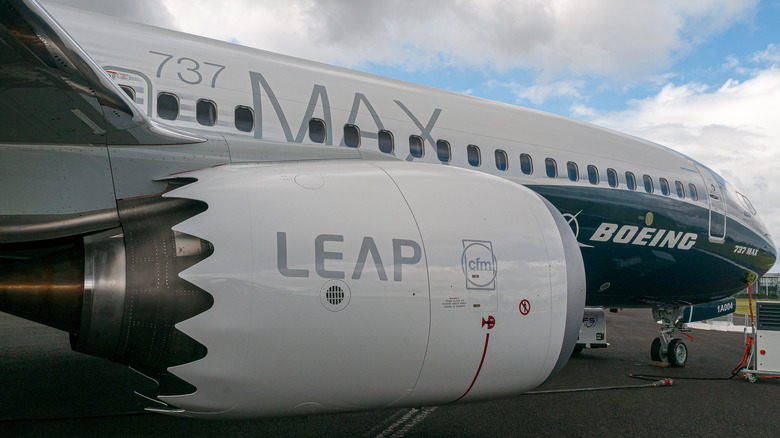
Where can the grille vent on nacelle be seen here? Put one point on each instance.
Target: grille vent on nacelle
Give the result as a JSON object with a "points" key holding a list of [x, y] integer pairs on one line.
{"points": [[335, 295]]}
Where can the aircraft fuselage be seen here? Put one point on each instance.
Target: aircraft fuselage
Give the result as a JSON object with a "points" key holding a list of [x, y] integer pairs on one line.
{"points": [[647, 218]]}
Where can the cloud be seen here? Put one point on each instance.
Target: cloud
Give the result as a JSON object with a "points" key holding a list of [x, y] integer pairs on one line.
{"points": [[142, 11], [733, 129], [540, 92], [553, 37], [564, 48], [770, 56]]}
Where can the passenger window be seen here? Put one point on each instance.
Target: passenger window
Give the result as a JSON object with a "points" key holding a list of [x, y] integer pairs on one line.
{"points": [[692, 191], [443, 150], [502, 163], [649, 188], [167, 106], [526, 164], [317, 131], [351, 136], [630, 181], [612, 177], [244, 118], [593, 174], [664, 186], [551, 167], [385, 141], [680, 189], [206, 112], [130, 91], [573, 171], [416, 146], [474, 156]]}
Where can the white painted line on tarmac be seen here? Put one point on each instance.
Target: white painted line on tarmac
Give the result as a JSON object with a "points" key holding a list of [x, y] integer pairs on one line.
{"points": [[404, 424], [396, 414]]}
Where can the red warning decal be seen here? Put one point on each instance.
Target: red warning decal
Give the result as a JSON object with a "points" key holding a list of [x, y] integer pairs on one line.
{"points": [[490, 322], [525, 307]]}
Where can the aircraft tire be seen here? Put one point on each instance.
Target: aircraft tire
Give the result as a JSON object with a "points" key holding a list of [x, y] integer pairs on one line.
{"points": [[657, 352], [677, 353]]}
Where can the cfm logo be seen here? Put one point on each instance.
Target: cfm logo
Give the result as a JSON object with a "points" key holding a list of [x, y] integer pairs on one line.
{"points": [[479, 265]]}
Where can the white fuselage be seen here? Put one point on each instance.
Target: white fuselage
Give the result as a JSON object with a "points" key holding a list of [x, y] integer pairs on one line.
{"points": [[668, 201]]}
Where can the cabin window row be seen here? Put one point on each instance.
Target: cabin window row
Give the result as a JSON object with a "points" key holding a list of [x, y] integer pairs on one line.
{"points": [[573, 173], [474, 158], [417, 150], [206, 114], [168, 108]]}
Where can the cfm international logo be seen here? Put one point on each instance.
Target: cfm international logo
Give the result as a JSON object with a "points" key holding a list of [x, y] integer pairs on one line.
{"points": [[479, 265]]}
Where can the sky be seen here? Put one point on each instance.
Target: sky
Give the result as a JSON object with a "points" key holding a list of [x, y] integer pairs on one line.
{"points": [[699, 76]]}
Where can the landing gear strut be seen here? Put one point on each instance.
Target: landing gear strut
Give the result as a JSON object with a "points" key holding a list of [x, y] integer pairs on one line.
{"points": [[665, 348]]}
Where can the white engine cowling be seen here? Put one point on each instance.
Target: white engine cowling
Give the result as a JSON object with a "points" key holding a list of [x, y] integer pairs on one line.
{"points": [[360, 285]]}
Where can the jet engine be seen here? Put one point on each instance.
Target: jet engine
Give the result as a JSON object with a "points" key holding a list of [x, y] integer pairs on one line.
{"points": [[326, 286]]}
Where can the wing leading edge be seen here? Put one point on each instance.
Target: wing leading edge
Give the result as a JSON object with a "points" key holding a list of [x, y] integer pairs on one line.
{"points": [[52, 92]]}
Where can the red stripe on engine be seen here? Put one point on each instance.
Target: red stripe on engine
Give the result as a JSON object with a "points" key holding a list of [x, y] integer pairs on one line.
{"points": [[484, 352]]}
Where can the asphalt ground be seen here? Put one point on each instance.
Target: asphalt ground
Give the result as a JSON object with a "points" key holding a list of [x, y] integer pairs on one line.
{"points": [[48, 390]]}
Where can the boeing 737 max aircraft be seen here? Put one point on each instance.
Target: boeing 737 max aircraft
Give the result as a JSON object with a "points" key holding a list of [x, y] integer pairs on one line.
{"points": [[264, 235]]}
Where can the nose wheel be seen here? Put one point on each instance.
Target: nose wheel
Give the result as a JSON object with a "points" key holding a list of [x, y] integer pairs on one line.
{"points": [[675, 351], [678, 353], [657, 351], [665, 348]]}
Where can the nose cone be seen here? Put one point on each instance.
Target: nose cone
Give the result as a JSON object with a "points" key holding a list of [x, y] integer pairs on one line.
{"points": [[753, 246], [767, 255], [772, 252]]}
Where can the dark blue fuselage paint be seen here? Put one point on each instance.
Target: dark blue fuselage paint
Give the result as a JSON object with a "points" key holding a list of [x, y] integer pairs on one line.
{"points": [[661, 254]]}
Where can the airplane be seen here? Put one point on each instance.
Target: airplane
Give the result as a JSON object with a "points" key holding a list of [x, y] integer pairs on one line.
{"points": [[264, 235]]}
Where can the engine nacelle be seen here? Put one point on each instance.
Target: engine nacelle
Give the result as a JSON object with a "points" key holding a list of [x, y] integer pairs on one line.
{"points": [[296, 288], [358, 285]]}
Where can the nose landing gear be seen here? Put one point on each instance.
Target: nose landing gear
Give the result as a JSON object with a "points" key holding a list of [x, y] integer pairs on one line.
{"points": [[665, 348]]}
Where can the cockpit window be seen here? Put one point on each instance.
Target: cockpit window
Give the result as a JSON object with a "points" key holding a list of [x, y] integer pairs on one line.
{"points": [[746, 202]]}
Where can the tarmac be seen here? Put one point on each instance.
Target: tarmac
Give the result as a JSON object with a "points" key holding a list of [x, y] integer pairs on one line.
{"points": [[48, 390]]}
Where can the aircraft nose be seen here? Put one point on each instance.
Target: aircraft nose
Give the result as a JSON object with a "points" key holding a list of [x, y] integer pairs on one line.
{"points": [[772, 250], [767, 250]]}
